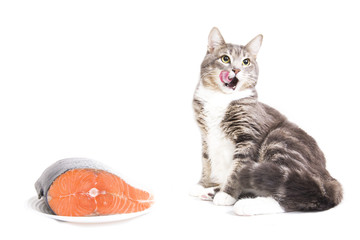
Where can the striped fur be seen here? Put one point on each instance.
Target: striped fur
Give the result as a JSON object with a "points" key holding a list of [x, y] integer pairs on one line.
{"points": [[269, 156]]}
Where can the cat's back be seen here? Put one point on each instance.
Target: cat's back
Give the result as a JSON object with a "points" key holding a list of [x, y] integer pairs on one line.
{"points": [[249, 116], [279, 135]]}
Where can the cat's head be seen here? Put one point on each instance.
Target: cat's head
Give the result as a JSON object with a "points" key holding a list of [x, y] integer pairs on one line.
{"points": [[229, 67]]}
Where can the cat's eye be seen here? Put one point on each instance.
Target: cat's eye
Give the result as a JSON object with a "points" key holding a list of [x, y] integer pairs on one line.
{"points": [[225, 59], [246, 62]]}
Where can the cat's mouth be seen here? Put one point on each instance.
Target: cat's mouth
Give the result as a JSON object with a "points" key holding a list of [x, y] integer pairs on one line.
{"points": [[228, 82]]}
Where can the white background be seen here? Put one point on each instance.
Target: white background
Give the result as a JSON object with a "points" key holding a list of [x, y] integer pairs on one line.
{"points": [[113, 81]]}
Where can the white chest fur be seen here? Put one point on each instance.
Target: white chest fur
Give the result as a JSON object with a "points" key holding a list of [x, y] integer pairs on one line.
{"points": [[220, 148]]}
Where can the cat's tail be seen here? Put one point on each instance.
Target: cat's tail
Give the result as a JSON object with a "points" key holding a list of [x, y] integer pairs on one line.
{"points": [[293, 189], [334, 192], [307, 193]]}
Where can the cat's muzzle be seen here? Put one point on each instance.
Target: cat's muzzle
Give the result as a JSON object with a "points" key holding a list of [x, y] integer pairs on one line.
{"points": [[228, 82]]}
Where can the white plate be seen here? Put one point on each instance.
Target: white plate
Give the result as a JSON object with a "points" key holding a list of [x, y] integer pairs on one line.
{"points": [[40, 207]]}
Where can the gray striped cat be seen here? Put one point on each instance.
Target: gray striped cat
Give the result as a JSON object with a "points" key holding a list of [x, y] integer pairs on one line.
{"points": [[253, 156]]}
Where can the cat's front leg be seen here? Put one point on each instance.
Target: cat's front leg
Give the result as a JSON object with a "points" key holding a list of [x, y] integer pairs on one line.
{"points": [[231, 189], [205, 189]]}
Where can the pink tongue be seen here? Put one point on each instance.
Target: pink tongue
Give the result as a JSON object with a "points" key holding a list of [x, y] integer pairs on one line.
{"points": [[224, 77]]}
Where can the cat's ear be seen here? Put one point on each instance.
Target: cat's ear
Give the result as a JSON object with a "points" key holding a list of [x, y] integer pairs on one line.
{"points": [[254, 45], [215, 40]]}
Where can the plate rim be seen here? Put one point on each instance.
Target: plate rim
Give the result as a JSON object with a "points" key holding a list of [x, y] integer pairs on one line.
{"points": [[34, 201]]}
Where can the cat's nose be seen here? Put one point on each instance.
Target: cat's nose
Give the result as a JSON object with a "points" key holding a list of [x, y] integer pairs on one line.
{"points": [[236, 70]]}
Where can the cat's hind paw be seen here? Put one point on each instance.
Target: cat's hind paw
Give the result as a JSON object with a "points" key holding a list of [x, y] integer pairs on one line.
{"points": [[257, 206], [223, 199]]}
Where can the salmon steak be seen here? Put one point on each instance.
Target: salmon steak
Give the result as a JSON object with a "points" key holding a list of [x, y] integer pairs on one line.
{"points": [[83, 187]]}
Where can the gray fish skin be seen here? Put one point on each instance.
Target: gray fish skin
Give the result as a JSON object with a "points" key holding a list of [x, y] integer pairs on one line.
{"points": [[44, 182]]}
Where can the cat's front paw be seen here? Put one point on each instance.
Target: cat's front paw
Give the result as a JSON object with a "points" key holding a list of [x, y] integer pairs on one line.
{"points": [[206, 194], [223, 199], [196, 190]]}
